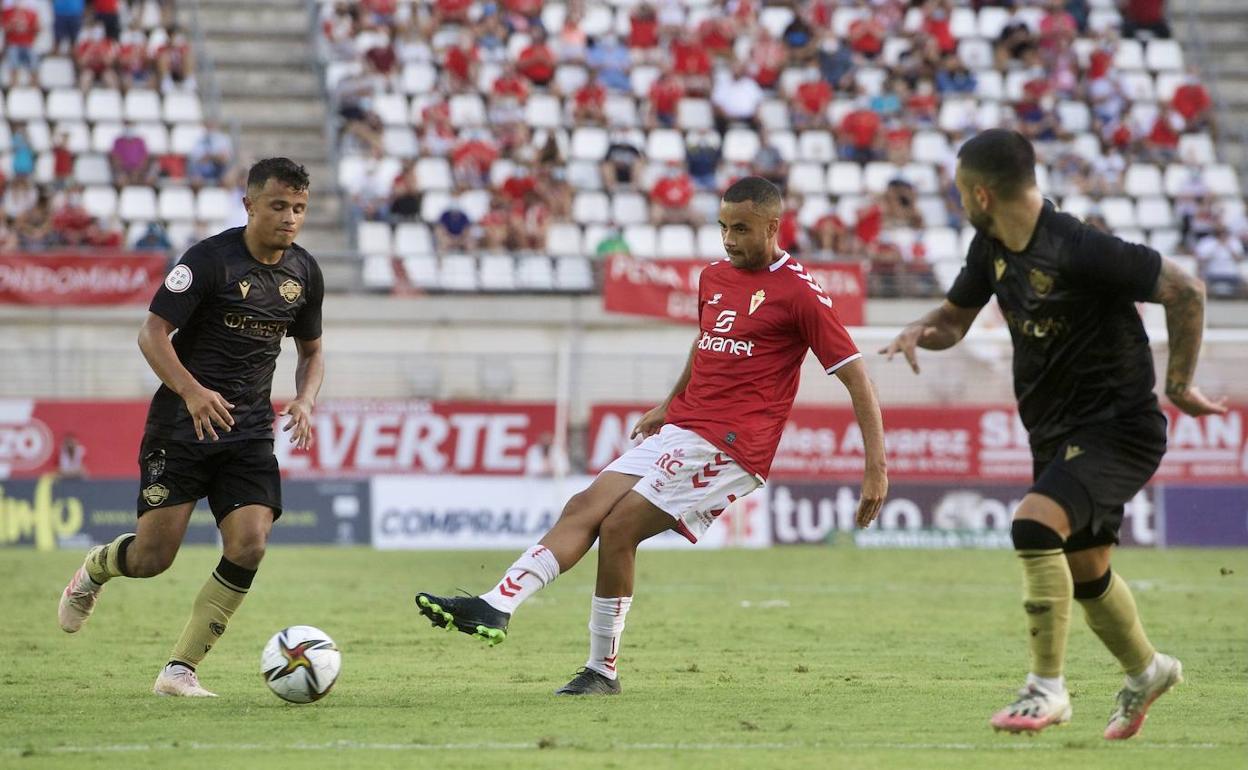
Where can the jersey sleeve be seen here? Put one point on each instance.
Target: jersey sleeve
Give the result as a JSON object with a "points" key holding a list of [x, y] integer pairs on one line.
{"points": [[971, 288], [196, 277], [1111, 265], [821, 329], [307, 325]]}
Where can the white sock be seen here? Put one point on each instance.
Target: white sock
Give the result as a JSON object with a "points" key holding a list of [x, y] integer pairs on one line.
{"points": [[606, 625], [534, 570], [1141, 681], [1054, 685]]}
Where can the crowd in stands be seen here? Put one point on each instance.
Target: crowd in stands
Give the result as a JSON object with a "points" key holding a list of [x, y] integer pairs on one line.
{"points": [[102, 142], [508, 125]]}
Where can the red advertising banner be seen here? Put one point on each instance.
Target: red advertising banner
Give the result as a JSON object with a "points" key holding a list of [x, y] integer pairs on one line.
{"points": [[668, 288], [946, 443], [61, 278], [353, 438]]}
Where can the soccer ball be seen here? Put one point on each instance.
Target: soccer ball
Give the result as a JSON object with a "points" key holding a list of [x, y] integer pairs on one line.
{"points": [[300, 664]]}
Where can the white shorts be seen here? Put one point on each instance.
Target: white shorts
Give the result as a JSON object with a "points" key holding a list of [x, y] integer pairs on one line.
{"points": [[687, 477]]}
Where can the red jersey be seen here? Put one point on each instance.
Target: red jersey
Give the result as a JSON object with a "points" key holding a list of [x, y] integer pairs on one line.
{"points": [[643, 31], [665, 95], [1190, 100], [674, 192], [21, 26], [756, 329]]}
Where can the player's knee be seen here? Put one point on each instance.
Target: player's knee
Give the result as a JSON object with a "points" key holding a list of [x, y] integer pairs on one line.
{"points": [[148, 562], [248, 553], [577, 507], [616, 532], [1032, 535]]}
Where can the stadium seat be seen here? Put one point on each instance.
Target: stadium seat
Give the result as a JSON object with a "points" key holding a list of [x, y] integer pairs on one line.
{"points": [[64, 104], [24, 104], [1221, 179], [1165, 241], [870, 80], [212, 204], [629, 208], [665, 144], [676, 242], [975, 53], [1119, 212], [932, 209], [922, 176], [1153, 211], [773, 115], [813, 208], [620, 110], [785, 143], [141, 105], [569, 78], [1129, 55], [535, 273], [182, 107], [807, 179], [641, 240], [400, 142], [433, 173], [989, 84], [816, 146], [845, 178], [930, 147], [1197, 149], [137, 203], [694, 114], [1141, 179], [421, 271], [1077, 205], [591, 208], [710, 242], [100, 201], [497, 272], [573, 274], [962, 23], [93, 170], [474, 203], [1074, 117], [740, 145], [176, 203], [103, 135], [641, 78], [843, 17], [412, 239], [57, 72], [589, 143], [946, 272], [941, 243], [155, 136], [433, 204], [564, 240], [957, 115], [878, 174], [775, 19], [378, 273], [991, 21], [1166, 83], [373, 238], [458, 272], [584, 175], [467, 111], [543, 111], [598, 20], [1164, 55], [419, 77], [1138, 86], [393, 109], [184, 136], [1177, 177]]}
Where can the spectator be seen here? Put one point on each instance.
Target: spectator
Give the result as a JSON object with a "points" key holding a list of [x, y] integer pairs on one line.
{"points": [[665, 94], [1107, 171], [339, 25], [211, 155], [1107, 99], [899, 205], [1015, 42], [837, 67], [154, 238], [96, 57], [810, 104], [175, 64], [767, 58], [612, 243], [866, 37], [555, 192], [359, 123], [1191, 100], [800, 40], [571, 43], [530, 222], [62, 161], [715, 35], [20, 22], [471, 160], [437, 135], [134, 66], [736, 98], [643, 32], [789, 232], [453, 232], [1058, 30], [496, 229], [769, 163], [108, 13], [130, 160], [1161, 144], [937, 26], [897, 135], [589, 103], [610, 58], [1219, 255], [8, 236], [379, 14], [371, 197], [523, 15], [448, 13], [22, 151], [537, 62], [953, 77], [1147, 16], [622, 166], [692, 64], [383, 59], [509, 84], [832, 239], [30, 209], [702, 154], [66, 24], [460, 63], [405, 193], [921, 106], [858, 136], [70, 457], [671, 195]]}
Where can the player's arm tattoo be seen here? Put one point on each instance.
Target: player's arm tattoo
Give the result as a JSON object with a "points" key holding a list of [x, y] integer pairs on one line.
{"points": [[1183, 296]]}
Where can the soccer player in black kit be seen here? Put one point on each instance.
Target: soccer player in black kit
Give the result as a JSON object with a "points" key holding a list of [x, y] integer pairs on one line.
{"points": [[1083, 376], [209, 433]]}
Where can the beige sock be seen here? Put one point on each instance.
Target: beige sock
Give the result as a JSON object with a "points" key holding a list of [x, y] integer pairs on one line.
{"points": [[213, 607], [1113, 617], [1047, 595], [103, 563]]}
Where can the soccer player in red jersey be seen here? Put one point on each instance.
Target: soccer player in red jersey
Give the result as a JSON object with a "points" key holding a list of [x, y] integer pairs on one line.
{"points": [[709, 443]]}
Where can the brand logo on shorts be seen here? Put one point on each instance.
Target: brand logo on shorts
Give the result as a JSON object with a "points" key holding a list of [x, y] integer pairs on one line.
{"points": [[290, 290], [1072, 452], [154, 464], [670, 462], [155, 494]]}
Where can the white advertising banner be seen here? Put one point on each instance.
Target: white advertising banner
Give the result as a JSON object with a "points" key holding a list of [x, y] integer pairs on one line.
{"points": [[494, 512]]}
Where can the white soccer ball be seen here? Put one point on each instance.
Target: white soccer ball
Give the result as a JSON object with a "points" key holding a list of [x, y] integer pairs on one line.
{"points": [[300, 664]]}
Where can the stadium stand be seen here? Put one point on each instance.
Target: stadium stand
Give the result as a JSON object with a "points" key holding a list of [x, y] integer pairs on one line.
{"points": [[103, 138], [539, 130]]}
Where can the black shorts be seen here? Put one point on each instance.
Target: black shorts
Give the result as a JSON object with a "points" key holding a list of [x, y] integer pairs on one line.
{"points": [[1097, 469], [230, 474]]}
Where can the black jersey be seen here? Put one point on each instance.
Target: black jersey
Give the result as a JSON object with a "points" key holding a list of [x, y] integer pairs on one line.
{"points": [[1080, 352], [231, 312]]}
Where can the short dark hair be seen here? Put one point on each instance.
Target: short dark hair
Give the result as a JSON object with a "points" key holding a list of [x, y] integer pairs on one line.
{"points": [[755, 189], [283, 170], [1004, 160]]}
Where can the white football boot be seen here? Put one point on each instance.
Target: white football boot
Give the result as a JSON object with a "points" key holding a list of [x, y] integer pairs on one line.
{"points": [[180, 681], [78, 598], [1132, 707]]}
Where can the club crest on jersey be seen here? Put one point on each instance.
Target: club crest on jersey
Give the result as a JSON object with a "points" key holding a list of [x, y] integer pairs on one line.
{"points": [[290, 290], [155, 494], [1041, 282], [244, 286], [998, 264], [756, 300]]}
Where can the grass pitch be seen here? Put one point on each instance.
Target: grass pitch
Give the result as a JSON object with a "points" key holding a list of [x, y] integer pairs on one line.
{"points": [[795, 657]]}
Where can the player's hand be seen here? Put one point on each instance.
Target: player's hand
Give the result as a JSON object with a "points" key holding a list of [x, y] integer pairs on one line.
{"points": [[650, 423], [300, 412], [874, 490], [906, 342], [208, 408], [1192, 402]]}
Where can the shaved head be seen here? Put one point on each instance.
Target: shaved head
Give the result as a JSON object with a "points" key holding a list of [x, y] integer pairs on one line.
{"points": [[764, 195]]}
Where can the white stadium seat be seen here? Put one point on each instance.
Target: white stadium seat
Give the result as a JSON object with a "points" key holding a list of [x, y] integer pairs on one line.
{"points": [[182, 107], [710, 242], [816, 146], [65, 104], [844, 178], [497, 272], [1153, 211], [573, 274], [212, 204], [535, 273], [137, 203], [176, 203], [641, 240], [564, 240], [589, 143], [141, 105], [1119, 212], [373, 238], [591, 208], [676, 242], [458, 272], [378, 272], [629, 208], [100, 201], [1164, 55], [807, 179], [412, 239], [24, 104], [664, 144], [421, 271]]}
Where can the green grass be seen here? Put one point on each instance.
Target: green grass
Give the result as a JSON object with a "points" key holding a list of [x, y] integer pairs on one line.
{"points": [[844, 658]]}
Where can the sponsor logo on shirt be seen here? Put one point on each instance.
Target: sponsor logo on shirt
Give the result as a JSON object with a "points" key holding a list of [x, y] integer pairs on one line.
{"points": [[725, 345], [259, 328], [1037, 328], [723, 324]]}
